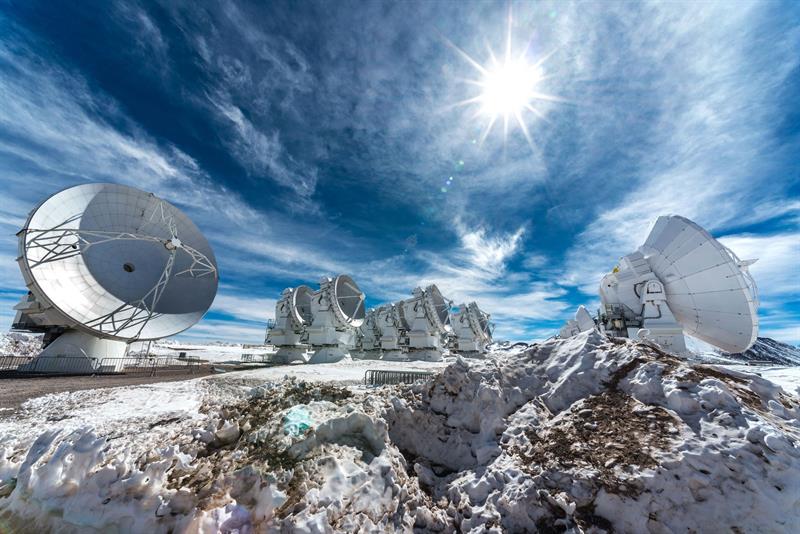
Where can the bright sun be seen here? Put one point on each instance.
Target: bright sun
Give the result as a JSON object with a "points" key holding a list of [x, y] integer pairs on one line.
{"points": [[508, 88]]}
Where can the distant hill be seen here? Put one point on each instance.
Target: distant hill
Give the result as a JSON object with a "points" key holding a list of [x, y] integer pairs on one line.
{"points": [[768, 350], [763, 350]]}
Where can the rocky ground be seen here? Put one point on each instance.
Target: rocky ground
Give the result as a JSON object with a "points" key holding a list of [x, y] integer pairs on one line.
{"points": [[588, 434]]}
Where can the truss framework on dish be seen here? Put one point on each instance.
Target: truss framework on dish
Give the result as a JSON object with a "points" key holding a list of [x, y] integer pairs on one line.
{"points": [[680, 281], [331, 324], [107, 265]]}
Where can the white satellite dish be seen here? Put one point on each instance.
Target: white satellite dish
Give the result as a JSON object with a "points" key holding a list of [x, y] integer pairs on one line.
{"points": [[392, 326], [709, 290], [106, 265], [472, 330], [681, 280], [369, 337], [292, 316], [427, 319], [581, 323], [337, 309]]}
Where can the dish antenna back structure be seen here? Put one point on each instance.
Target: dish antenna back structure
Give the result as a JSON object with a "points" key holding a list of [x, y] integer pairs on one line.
{"points": [[681, 280], [472, 331], [106, 265], [337, 309], [369, 337], [292, 316], [392, 327], [426, 318]]}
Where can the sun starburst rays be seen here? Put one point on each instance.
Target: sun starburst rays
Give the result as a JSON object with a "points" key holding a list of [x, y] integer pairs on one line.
{"points": [[509, 88]]}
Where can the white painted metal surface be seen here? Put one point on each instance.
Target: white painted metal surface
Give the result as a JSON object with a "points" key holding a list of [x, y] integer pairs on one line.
{"points": [[337, 309], [369, 337], [112, 262], [292, 316], [426, 316], [392, 326], [681, 280], [709, 290], [472, 330]]}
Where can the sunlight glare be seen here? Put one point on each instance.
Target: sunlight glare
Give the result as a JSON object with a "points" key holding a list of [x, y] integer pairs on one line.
{"points": [[509, 88]]}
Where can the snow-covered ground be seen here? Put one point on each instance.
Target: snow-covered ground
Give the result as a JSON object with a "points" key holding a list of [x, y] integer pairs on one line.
{"points": [[23, 344], [786, 377], [576, 434], [212, 352]]}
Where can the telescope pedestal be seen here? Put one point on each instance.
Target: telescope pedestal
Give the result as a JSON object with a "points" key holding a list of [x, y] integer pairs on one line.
{"points": [[77, 352], [329, 354], [394, 355], [286, 355], [370, 355], [425, 355]]}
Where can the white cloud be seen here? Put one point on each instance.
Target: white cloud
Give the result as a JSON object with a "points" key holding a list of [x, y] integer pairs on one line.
{"points": [[248, 308], [786, 334], [233, 332], [711, 155], [778, 263], [263, 154]]}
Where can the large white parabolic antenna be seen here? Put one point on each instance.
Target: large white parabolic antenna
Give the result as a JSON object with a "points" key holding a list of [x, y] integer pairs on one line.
{"points": [[427, 320], [369, 337], [681, 280], [472, 330], [709, 289], [392, 326], [114, 263], [292, 316], [337, 309]]}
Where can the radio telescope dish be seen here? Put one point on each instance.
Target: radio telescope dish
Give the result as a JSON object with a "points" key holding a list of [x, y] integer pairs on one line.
{"points": [[709, 289], [369, 337], [301, 305], [472, 330], [681, 280], [337, 310], [392, 326], [427, 320], [111, 262], [292, 316]]}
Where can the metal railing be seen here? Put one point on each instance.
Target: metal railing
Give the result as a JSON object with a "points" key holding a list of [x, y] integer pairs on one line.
{"points": [[79, 365], [377, 377], [12, 362], [255, 358]]}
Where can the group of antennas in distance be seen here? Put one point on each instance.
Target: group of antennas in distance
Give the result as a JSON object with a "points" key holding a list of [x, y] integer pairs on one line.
{"points": [[106, 265], [331, 324]]}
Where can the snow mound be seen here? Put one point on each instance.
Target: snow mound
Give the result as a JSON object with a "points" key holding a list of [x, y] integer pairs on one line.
{"points": [[591, 431], [585, 434]]}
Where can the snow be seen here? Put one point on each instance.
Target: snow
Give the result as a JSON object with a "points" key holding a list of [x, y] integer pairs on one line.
{"points": [[786, 377], [348, 372], [212, 352], [575, 434]]}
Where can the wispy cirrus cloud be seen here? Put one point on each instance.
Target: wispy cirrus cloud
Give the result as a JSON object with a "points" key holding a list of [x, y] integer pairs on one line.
{"points": [[302, 148], [714, 154]]}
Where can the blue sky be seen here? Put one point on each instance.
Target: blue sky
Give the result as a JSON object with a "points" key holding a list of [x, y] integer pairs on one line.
{"points": [[312, 138]]}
